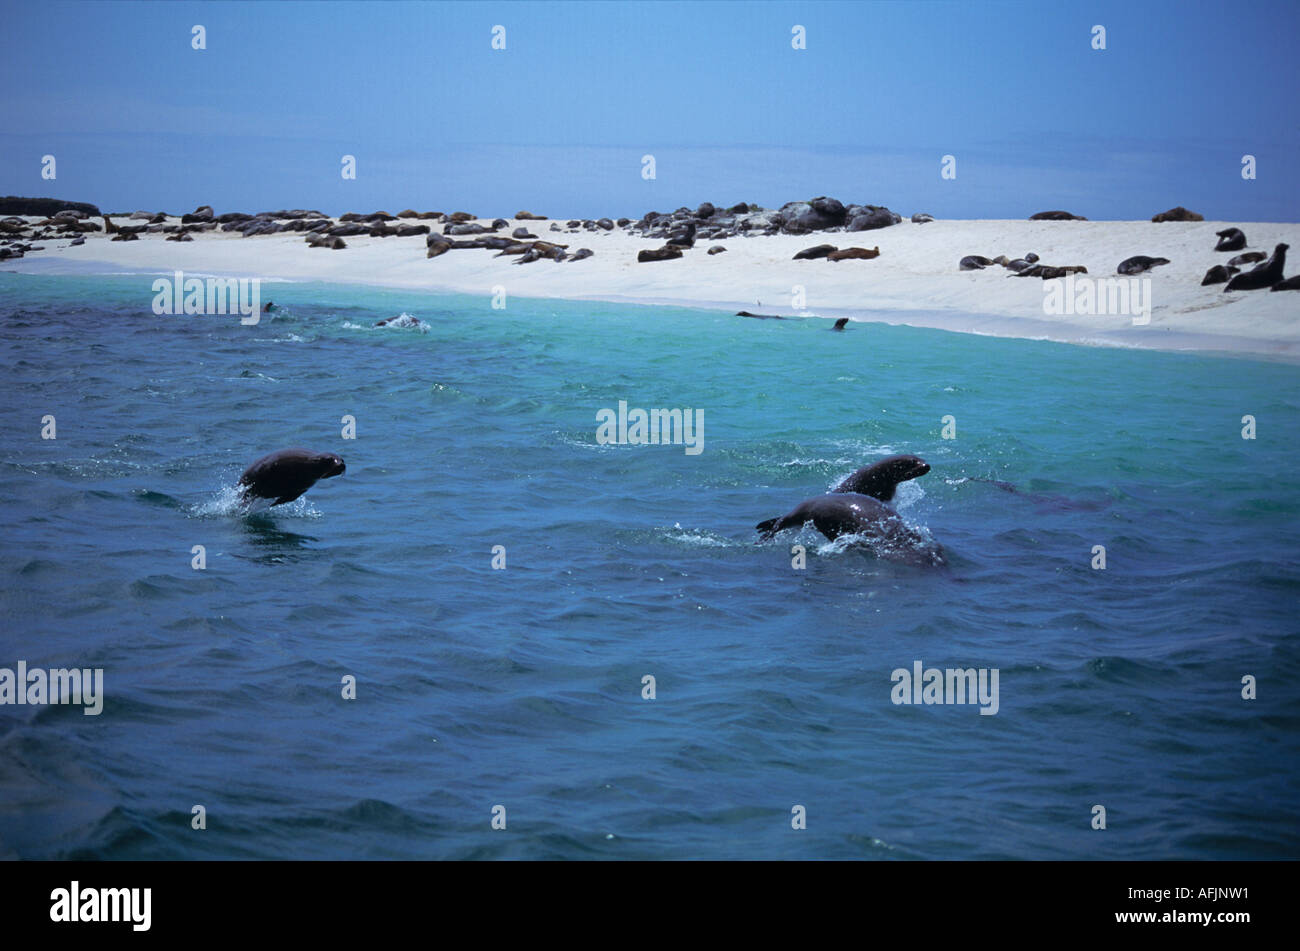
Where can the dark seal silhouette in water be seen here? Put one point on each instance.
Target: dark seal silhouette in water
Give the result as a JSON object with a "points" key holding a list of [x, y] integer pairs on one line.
{"points": [[849, 513], [287, 474], [856, 507], [1264, 275], [841, 323]]}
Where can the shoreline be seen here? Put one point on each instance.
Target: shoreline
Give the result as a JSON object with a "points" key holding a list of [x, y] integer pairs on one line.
{"points": [[915, 281]]}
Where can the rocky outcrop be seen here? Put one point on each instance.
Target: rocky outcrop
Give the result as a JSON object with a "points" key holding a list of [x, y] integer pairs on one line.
{"points": [[1177, 214], [31, 207]]}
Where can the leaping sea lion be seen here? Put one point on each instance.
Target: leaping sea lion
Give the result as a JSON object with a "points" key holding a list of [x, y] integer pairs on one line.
{"points": [[287, 474], [856, 507]]}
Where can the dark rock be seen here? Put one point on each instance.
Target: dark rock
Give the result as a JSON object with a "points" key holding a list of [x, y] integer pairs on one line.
{"points": [[706, 210], [573, 224], [1178, 214], [13, 205], [624, 222], [203, 213], [605, 224], [872, 218]]}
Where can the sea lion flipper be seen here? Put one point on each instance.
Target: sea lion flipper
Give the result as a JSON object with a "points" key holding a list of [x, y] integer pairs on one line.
{"points": [[768, 528]]}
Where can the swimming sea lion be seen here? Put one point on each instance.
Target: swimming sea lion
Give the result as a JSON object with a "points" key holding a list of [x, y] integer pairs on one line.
{"points": [[1262, 275], [847, 513], [841, 323], [287, 474], [880, 479]]}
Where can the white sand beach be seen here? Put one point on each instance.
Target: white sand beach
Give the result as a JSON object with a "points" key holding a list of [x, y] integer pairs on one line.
{"points": [[915, 280]]}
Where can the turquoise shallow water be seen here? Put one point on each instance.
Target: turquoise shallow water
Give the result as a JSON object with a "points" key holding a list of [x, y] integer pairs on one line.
{"points": [[522, 687]]}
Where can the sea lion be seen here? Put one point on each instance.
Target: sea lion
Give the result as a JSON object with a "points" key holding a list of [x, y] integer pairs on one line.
{"points": [[1219, 274], [847, 254], [1230, 239], [841, 323], [1250, 257], [287, 474], [816, 251], [1290, 284], [880, 479], [974, 262], [666, 253], [745, 313], [1139, 264], [1019, 264], [1262, 275], [848, 513]]}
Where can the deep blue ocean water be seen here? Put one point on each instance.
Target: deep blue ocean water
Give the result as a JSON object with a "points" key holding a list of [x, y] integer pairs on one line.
{"points": [[523, 687]]}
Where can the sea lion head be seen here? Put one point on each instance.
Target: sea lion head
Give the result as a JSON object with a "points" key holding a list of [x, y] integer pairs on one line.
{"points": [[880, 479], [330, 465]]}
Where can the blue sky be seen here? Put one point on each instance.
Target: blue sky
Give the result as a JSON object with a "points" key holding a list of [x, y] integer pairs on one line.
{"points": [[558, 122]]}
